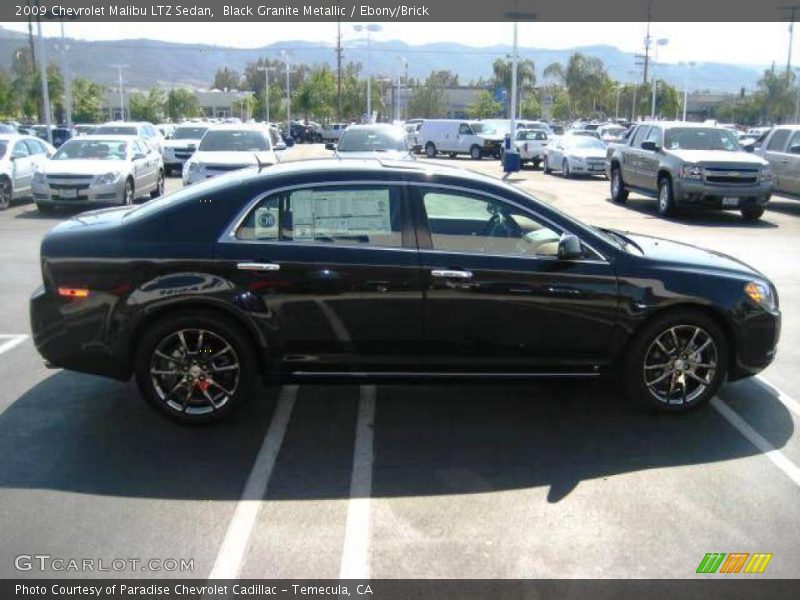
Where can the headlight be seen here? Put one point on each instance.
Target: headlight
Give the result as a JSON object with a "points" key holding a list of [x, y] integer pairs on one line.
{"points": [[39, 177], [761, 293], [765, 176], [107, 178], [691, 172]]}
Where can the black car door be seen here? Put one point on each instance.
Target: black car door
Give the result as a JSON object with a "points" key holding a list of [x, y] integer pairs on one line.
{"points": [[497, 296], [331, 273]]}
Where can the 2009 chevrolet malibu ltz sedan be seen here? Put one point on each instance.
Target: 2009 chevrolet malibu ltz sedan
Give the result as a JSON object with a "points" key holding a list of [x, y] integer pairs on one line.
{"points": [[363, 269]]}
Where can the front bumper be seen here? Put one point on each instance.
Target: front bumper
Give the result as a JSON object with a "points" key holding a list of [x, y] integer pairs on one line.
{"points": [[591, 167], [756, 339], [702, 193], [112, 193]]}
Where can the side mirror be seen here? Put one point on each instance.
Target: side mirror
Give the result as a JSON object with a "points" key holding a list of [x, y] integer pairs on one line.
{"points": [[280, 146], [569, 247], [650, 146], [752, 147], [330, 146], [138, 156]]}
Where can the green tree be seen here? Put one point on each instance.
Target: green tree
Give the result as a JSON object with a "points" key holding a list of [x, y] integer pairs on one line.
{"points": [[148, 107], [530, 108], [585, 79], [226, 78], [182, 104], [484, 106], [526, 77], [776, 95], [428, 99], [316, 95], [86, 99], [7, 107]]}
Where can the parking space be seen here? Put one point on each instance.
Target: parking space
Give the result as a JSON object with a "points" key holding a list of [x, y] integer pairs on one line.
{"points": [[554, 479]]}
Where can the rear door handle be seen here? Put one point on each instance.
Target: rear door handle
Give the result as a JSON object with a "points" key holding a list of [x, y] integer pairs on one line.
{"points": [[451, 274], [256, 266]]}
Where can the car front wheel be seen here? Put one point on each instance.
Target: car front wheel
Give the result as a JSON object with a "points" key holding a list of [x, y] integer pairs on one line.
{"points": [[475, 153], [5, 193], [677, 362], [128, 195], [159, 191], [430, 150], [618, 192], [666, 198], [195, 366], [565, 169], [546, 165], [752, 213]]}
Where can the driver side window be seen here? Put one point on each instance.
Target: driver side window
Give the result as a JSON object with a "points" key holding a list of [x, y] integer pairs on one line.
{"points": [[464, 129], [461, 222]]}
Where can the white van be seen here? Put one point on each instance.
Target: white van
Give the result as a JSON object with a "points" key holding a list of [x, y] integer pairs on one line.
{"points": [[453, 137]]}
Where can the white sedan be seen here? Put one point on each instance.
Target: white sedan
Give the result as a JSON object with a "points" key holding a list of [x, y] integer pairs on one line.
{"points": [[575, 155], [20, 156], [99, 170]]}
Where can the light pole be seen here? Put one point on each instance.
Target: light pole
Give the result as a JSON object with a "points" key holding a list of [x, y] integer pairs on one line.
{"points": [[659, 42], [397, 97], [797, 99], [43, 76], [121, 96], [285, 56], [616, 110], [370, 28], [67, 78], [686, 87], [266, 70]]}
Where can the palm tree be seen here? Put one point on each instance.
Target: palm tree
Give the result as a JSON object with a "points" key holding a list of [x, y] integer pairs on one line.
{"points": [[526, 77]]}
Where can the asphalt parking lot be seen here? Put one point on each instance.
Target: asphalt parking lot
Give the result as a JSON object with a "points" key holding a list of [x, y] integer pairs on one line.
{"points": [[500, 481]]}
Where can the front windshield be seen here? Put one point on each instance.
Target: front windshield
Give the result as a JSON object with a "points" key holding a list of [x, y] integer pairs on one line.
{"points": [[483, 128], [232, 140], [700, 138], [582, 141], [115, 130], [92, 150], [372, 140], [189, 133]]}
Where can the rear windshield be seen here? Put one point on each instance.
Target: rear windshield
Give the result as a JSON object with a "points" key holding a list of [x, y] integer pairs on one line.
{"points": [[234, 141], [115, 130], [372, 140], [189, 133]]}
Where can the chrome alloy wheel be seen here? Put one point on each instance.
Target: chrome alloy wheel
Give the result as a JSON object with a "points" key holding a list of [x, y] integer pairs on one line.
{"points": [[195, 371], [680, 364]]}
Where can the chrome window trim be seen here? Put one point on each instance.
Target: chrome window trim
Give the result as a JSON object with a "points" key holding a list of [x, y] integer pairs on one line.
{"points": [[229, 235]]}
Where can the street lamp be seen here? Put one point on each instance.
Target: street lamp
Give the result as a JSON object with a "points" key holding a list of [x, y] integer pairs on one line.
{"points": [[285, 56], [686, 86], [43, 76], [397, 97], [370, 28], [659, 42], [266, 70]]}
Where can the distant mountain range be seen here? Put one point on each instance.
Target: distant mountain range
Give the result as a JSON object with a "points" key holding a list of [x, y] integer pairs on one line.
{"points": [[174, 64]]}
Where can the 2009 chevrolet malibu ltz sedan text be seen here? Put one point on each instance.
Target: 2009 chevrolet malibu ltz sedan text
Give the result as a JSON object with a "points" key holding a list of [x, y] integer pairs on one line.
{"points": [[363, 269]]}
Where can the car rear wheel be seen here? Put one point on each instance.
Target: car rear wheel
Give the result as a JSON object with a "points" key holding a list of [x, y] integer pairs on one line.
{"points": [[430, 150], [752, 213], [475, 153], [5, 193], [195, 367], [159, 191], [535, 164], [677, 362], [565, 169], [666, 199], [618, 192]]}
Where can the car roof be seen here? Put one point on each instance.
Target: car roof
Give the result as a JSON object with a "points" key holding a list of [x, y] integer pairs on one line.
{"points": [[114, 137], [386, 126], [687, 124], [8, 137], [262, 127]]}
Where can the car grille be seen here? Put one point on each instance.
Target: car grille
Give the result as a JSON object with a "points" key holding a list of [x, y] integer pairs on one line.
{"points": [[183, 153], [69, 182], [731, 176], [224, 168]]}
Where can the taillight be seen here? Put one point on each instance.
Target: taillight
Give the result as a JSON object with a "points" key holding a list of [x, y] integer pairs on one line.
{"points": [[66, 292]]}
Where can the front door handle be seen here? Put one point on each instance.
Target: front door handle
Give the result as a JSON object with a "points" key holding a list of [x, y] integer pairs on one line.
{"points": [[451, 274], [256, 266]]}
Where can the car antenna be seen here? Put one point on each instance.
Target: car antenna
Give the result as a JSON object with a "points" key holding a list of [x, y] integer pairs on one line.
{"points": [[261, 165]]}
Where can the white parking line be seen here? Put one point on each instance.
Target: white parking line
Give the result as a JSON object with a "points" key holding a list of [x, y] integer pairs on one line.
{"points": [[8, 341], [755, 438], [233, 550], [789, 402], [355, 554]]}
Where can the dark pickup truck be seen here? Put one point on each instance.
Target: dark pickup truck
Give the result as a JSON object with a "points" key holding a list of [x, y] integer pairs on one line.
{"points": [[688, 164]]}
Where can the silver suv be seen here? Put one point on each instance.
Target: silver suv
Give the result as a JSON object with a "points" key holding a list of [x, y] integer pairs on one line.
{"points": [[689, 164], [781, 148]]}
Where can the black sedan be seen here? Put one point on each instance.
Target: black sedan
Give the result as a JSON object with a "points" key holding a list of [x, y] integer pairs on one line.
{"points": [[349, 270]]}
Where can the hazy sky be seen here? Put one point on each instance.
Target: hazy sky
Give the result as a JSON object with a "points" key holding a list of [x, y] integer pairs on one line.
{"points": [[739, 43]]}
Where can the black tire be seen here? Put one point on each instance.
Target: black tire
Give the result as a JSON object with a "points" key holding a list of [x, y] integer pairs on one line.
{"points": [[536, 164], [453, 154], [6, 193], [546, 165], [216, 327], [683, 321], [565, 172], [475, 152], [752, 213], [129, 195], [430, 150], [159, 191], [665, 202], [618, 192]]}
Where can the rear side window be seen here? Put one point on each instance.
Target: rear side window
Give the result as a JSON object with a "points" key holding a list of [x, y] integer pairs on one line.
{"points": [[333, 215], [778, 141]]}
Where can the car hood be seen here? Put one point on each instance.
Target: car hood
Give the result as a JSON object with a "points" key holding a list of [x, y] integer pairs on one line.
{"points": [[585, 153], [688, 256], [235, 158], [83, 167], [387, 155], [725, 157], [183, 143]]}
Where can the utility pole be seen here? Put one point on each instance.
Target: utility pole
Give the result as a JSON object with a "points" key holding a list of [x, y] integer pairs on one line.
{"points": [[119, 68], [266, 70], [792, 11], [338, 70], [67, 78], [647, 40], [43, 76], [288, 95]]}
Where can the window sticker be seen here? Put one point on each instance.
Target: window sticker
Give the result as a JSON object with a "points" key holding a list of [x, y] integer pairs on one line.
{"points": [[340, 213], [266, 222]]}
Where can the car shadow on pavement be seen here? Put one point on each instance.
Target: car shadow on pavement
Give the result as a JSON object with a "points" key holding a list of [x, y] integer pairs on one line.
{"points": [[786, 205], [697, 216], [82, 434]]}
